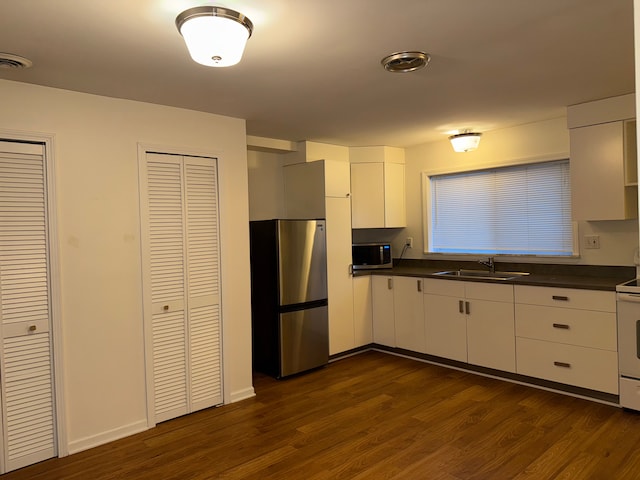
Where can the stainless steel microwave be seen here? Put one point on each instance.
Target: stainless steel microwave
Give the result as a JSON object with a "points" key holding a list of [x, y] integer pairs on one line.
{"points": [[371, 255]]}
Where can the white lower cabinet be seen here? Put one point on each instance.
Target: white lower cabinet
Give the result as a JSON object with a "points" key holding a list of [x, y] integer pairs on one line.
{"points": [[408, 311], [362, 311], [562, 335], [567, 336], [398, 312], [384, 330], [470, 322], [445, 320]]}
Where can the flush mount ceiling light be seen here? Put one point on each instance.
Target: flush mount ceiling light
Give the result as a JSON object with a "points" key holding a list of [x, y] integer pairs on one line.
{"points": [[403, 62], [465, 141], [215, 36]]}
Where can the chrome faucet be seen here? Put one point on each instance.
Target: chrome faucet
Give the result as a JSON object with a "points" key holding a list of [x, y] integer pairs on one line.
{"points": [[488, 263]]}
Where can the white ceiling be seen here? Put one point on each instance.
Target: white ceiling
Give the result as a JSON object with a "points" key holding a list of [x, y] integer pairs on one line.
{"points": [[311, 70]]}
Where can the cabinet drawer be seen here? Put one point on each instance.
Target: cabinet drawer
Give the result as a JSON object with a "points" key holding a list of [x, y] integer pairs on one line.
{"points": [[450, 288], [488, 291], [586, 328], [566, 298], [569, 364]]}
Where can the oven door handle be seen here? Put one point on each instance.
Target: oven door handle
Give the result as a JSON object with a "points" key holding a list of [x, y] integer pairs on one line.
{"points": [[629, 297]]}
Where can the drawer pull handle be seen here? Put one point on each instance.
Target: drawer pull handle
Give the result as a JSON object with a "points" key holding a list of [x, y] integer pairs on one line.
{"points": [[562, 298], [562, 364], [562, 326]]}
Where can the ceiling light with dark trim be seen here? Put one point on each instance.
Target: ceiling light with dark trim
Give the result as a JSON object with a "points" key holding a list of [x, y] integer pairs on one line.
{"points": [[215, 36], [465, 141]]}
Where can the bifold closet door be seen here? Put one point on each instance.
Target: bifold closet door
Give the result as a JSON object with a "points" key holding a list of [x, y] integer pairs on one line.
{"points": [[26, 362], [181, 282]]}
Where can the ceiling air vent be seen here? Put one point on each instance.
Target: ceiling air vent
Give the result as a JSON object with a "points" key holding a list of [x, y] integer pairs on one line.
{"points": [[403, 62], [10, 61]]}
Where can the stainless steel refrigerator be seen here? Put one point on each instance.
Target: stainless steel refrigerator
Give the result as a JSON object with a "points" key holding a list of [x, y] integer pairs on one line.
{"points": [[289, 315]]}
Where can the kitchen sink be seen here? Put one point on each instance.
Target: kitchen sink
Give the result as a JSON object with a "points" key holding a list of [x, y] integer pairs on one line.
{"points": [[482, 274]]}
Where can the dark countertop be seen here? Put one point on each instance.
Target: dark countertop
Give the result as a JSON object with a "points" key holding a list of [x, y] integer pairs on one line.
{"points": [[562, 276]]}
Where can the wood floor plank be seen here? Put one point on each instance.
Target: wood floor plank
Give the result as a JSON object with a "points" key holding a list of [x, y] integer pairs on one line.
{"points": [[374, 416]]}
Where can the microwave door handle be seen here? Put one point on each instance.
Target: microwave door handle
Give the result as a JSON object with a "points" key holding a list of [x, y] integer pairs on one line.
{"points": [[381, 255]]}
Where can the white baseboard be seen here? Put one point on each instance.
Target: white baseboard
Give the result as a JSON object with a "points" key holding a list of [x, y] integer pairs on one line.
{"points": [[241, 395], [106, 437]]}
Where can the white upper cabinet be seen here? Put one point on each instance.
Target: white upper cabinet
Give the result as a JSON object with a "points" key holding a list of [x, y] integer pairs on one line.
{"points": [[377, 187], [604, 184]]}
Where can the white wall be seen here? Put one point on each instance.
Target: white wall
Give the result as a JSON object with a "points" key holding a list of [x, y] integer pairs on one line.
{"points": [[545, 140], [266, 187], [95, 151]]}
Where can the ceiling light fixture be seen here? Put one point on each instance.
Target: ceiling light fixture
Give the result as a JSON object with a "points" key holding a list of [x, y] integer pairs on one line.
{"points": [[465, 141], [215, 36], [403, 62]]}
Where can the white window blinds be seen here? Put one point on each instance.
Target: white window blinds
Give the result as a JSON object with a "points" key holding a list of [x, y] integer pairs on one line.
{"points": [[524, 209]]}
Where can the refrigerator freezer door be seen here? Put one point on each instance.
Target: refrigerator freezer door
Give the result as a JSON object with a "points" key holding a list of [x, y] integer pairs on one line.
{"points": [[304, 340], [302, 261]]}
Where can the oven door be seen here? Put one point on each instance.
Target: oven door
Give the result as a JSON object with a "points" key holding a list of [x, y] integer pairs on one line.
{"points": [[629, 334]]}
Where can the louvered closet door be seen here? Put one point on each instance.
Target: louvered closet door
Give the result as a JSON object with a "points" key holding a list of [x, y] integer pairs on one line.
{"points": [[183, 279], [203, 284], [28, 413]]}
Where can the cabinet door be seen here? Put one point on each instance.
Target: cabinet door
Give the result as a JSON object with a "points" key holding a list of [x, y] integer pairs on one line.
{"points": [[597, 172], [445, 327], [367, 191], [409, 313], [362, 310], [339, 280], [384, 332], [395, 215], [337, 179], [491, 335], [304, 190]]}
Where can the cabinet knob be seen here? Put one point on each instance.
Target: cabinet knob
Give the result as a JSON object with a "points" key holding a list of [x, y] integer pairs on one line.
{"points": [[165, 308], [32, 328]]}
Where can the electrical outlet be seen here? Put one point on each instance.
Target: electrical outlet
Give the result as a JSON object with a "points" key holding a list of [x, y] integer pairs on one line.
{"points": [[592, 241], [409, 242]]}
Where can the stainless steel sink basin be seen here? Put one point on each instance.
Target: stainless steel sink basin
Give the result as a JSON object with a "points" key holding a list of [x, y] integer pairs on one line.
{"points": [[482, 274]]}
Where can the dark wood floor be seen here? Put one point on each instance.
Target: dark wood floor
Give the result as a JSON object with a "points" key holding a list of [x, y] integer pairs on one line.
{"points": [[375, 416]]}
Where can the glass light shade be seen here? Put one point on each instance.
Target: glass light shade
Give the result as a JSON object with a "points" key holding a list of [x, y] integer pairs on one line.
{"points": [[215, 40], [465, 142]]}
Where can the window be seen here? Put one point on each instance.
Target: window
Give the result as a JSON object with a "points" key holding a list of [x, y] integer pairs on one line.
{"points": [[524, 209]]}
